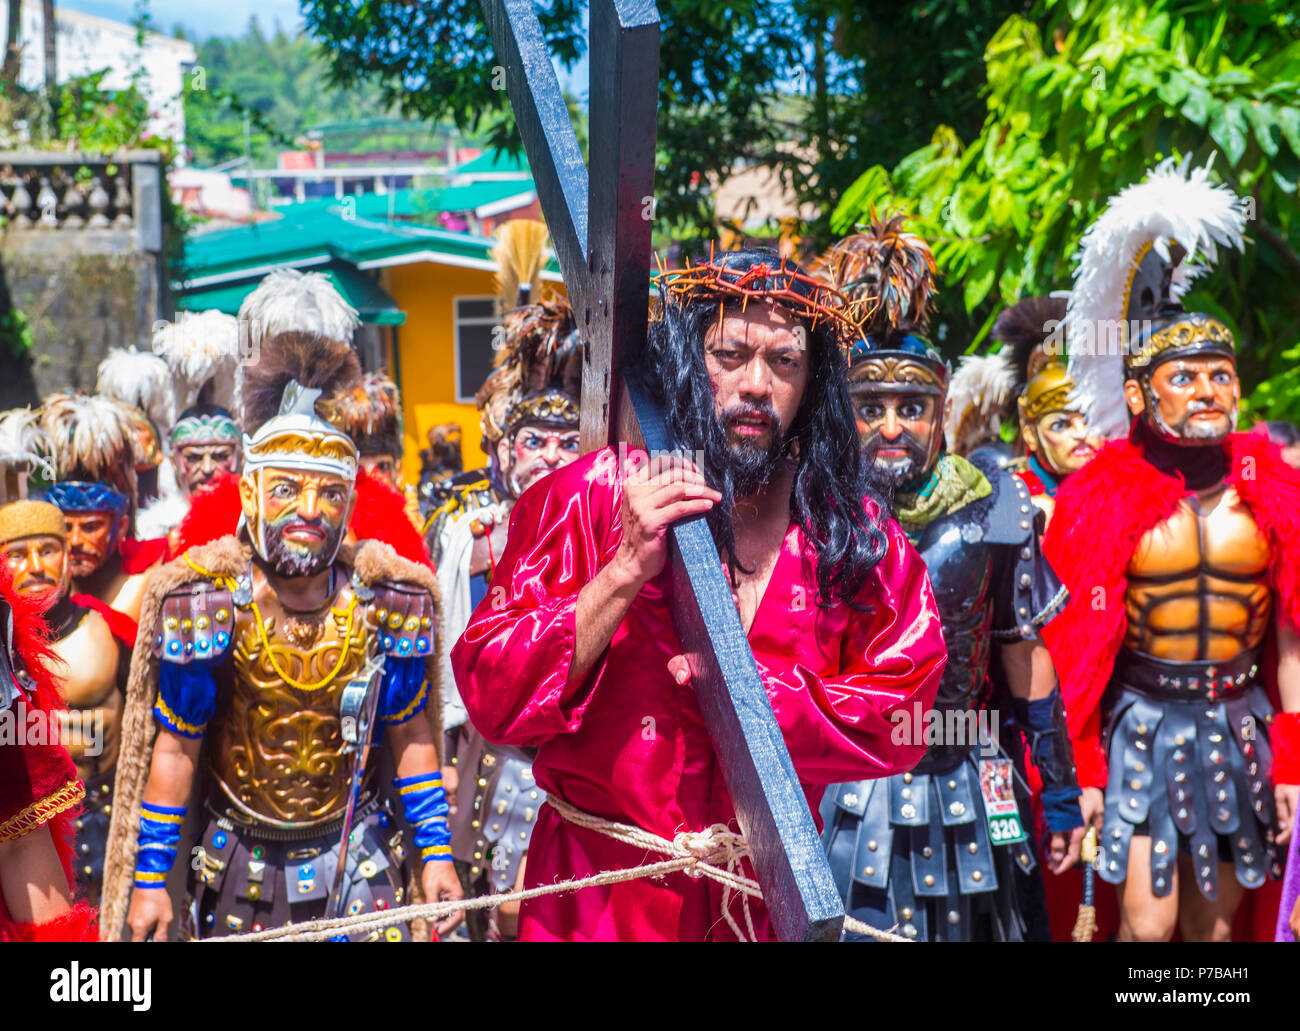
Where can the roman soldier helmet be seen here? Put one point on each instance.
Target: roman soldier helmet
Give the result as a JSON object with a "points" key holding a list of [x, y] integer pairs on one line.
{"points": [[202, 357], [1135, 263], [291, 411], [887, 275]]}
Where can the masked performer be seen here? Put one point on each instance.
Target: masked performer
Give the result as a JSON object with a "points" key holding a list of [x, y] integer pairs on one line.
{"points": [[95, 491], [1179, 544], [39, 790], [140, 381], [578, 657], [89, 668], [498, 799], [940, 850], [286, 301], [1053, 432], [191, 397], [979, 393], [267, 644], [371, 414]]}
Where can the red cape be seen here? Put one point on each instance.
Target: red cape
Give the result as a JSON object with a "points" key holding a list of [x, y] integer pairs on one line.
{"points": [[120, 625], [379, 515], [138, 556], [29, 773]]}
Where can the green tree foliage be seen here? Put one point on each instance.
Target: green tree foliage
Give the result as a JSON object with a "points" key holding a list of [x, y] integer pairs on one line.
{"points": [[1080, 102], [277, 81], [721, 66]]}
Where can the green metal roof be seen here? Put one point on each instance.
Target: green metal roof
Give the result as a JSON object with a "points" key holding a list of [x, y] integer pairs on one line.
{"points": [[410, 203], [307, 235], [371, 301], [493, 162]]}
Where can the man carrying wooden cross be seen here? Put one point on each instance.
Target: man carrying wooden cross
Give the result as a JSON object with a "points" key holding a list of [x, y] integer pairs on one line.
{"points": [[574, 651]]}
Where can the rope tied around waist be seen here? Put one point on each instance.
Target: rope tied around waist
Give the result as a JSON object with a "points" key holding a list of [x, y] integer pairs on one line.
{"points": [[715, 852]]}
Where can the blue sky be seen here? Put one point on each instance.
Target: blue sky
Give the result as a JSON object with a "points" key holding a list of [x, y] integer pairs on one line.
{"points": [[203, 18]]}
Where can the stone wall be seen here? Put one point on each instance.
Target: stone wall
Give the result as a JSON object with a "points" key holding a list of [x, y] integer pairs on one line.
{"points": [[80, 257]]}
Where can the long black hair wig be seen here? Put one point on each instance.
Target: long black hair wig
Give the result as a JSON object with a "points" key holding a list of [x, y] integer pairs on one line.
{"points": [[831, 481]]}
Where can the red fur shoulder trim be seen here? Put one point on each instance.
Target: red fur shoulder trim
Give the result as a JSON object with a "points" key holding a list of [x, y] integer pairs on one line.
{"points": [[139, 556], [1270, 486], [214, 513], [380, 515]]}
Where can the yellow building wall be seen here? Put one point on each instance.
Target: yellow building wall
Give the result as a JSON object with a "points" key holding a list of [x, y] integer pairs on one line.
{"points": [[426, 358]]}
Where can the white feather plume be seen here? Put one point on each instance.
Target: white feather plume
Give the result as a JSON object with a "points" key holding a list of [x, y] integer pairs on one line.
{"points": [[24, 442], [165, 512], [979, 392], [201, 349], [140, 379], [1173, 204], [291, 301], [88, 432]]}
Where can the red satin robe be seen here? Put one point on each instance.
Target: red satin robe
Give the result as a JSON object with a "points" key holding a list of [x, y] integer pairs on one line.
{"points": [[629, 744]]}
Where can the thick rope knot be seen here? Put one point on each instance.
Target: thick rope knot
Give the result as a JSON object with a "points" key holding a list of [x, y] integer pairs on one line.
{"points": [[717, 845]]}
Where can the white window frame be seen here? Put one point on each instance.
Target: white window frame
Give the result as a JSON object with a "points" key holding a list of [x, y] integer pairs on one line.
{"points": [[457, 322]]}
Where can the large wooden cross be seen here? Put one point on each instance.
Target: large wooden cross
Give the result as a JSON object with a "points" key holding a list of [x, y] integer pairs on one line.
{"points": [[600, 227]]}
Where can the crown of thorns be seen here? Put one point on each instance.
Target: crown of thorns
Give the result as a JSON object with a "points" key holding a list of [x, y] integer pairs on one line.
{"points": [[712, 279]]}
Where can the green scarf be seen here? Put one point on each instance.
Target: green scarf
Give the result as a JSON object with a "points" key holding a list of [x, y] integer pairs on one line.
{"points": [[953, 484]]}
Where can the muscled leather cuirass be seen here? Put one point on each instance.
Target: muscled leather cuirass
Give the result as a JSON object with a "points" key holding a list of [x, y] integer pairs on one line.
{"points": [[1198, 584], [278, 751]]}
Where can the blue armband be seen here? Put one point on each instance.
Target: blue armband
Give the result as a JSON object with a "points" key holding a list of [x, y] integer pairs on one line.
{"points": [[403, 690], [187, 697], [425, 804], [159, 840]]}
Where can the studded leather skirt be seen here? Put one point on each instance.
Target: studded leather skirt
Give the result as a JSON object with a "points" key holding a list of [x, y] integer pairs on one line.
{"points": [[242, 882], [1194, 772], [91, 834], [914, 852]]}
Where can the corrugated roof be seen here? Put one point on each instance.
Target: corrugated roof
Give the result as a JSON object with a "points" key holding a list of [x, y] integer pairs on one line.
{"points": [[494, 162], [371, 301], [313, 234]]}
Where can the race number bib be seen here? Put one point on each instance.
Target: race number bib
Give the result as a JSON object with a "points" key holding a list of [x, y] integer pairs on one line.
{"points": [[999, 795]]}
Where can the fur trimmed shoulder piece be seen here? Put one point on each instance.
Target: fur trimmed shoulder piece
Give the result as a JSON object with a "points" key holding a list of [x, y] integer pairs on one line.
{"points": [[1102, 513]]}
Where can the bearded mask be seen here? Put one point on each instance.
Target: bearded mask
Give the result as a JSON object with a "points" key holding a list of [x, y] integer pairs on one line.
{"points": [[204, 445], [1055, 433], [541, 435], [1182, 381], [296, 518], [297, 486], [899, 395], [39, 566]]}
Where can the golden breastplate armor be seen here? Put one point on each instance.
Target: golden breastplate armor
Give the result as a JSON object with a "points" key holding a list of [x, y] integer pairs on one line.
{"points": [[278, 751], [87, 677], [1198, 584]]}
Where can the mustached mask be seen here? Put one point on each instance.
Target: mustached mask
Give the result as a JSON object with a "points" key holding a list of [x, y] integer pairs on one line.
{"points": [[299, 441], [1125, 316]]}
